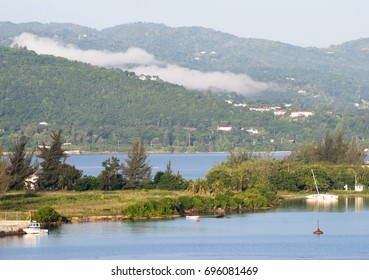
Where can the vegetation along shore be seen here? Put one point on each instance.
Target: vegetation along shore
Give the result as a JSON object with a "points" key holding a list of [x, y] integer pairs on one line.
{"points": [[55, 192]]}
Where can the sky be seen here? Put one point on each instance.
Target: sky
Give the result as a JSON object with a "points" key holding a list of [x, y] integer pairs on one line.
{"points": [[306, 23]]}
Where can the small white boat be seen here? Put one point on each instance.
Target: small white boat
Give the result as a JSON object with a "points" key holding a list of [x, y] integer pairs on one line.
{"points": [[34, 228], [192, 217], [320, 196]]}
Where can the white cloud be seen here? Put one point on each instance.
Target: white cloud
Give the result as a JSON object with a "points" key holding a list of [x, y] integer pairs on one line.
{"points": [[194, 79], [43, 45], [145, 64]]}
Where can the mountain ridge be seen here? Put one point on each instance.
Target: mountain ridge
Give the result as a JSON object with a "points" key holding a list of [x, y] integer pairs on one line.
{"points": [[207, 50]]}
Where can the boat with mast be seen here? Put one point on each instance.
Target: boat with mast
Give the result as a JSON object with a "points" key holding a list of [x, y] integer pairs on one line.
{"points": [[320, 196]]}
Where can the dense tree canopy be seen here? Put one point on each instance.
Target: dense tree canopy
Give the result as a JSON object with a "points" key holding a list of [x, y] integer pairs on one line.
{"points": [[42, 93]]}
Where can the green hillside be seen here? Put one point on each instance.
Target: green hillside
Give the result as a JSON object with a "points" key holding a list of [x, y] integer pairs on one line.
{"points": [[105, 109], [337, 76]]}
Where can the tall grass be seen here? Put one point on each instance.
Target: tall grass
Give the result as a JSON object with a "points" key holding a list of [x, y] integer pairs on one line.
{"points": [[79, 204]]}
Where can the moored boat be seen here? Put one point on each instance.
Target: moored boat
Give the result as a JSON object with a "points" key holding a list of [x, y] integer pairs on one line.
{"points": [[34, 228], [192, 217], [320, 196]]}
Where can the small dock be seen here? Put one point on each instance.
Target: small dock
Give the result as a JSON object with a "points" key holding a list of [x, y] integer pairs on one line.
{"points": [[12, 227]]}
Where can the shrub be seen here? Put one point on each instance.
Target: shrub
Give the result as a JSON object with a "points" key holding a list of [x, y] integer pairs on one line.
{"points": [[151, 208], [202, 203], [47, 214], [186, 202], [222, 201], [87, 183]]}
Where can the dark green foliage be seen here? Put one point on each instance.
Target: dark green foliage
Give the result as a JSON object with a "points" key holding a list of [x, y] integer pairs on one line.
{"points": [[270, 175], [157, 177], [67, 95], [47, 214], [4, 178], [202, 203], [136, 171], [169, 181], [111, 178], [333, 148], [19, 165], [220, 176], [53, 156], [237, 157], [186, 202], [153, 208], [68, 177], [225, 201], [88, 183], [251, 199]]}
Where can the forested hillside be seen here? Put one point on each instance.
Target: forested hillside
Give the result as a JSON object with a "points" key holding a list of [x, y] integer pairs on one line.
{"points": [[99, 106], [105, 109], [337, 76]]}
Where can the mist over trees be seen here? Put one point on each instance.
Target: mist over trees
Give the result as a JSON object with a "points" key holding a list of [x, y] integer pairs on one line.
{"points": [[45, 93]]}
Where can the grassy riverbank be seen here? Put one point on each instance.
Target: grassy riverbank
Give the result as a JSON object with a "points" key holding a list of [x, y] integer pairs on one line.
{"points": [[129, 203], [80, 204], [113, 204]]}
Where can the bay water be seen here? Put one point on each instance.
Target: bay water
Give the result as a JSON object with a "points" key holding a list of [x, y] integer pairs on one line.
{"points": [[283, 233], [190, 166]]}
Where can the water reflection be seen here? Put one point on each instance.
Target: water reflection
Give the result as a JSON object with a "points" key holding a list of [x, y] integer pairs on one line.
{"points": [[354, 203], [26, 240], [343, 204], [322, 205], [285, 232]]}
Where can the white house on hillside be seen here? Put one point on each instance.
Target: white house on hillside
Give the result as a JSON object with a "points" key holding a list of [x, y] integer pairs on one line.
{"points": [[279, 112], [224, 128], [297, 114]]}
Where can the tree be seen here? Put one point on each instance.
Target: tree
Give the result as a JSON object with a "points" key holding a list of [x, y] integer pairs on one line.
{"points": [[47, 214], [19, 165], [237, 157], [137, 171], [4, 178], [53, 156], [333, 148], [169, 181], [68, 176], [110, 178]]}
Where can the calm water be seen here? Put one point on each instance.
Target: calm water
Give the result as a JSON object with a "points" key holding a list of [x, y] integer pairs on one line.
{"points": [[191, 166], [283, 233]]}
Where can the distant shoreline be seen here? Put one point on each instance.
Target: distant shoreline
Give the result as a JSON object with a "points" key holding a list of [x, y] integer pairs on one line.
{"points": [[80, 152]]}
